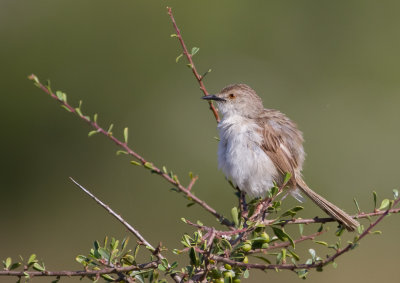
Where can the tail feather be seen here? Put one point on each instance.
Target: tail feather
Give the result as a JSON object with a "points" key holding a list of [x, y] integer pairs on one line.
{"points": [[331, 209]]}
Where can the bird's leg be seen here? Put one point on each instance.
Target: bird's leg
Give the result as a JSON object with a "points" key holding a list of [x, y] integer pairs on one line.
{"points": [[242, 203]]}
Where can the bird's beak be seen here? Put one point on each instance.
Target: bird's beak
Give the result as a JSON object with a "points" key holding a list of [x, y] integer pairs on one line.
{"points": [[213, 97]]}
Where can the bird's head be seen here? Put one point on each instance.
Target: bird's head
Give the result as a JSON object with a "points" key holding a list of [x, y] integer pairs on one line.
{"points": [[237, 99]]}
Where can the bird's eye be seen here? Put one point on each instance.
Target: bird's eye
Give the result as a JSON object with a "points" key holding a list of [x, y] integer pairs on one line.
{"points": [[232, 95]]}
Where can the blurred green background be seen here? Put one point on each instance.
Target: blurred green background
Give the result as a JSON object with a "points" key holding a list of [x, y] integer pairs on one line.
{"points": [[332, 66]]}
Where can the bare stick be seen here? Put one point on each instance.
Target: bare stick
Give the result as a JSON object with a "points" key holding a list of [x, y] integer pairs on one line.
{"points": [[198, 77], [119, 217], [141, 159], [156, 252]]}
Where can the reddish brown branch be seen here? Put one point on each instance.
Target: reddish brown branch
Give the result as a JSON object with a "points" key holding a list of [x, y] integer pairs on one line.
{"points": [[316, 264], [328, 219], [80, 273], [142, 160], [198, 77], [194, 179]]}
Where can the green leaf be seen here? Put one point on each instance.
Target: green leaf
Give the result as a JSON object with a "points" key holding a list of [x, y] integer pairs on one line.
{"points": [[91, 133], [15, 265], [295, 256], [287, 178], [104, 253], [395, 193], [291, 212], [59, 95], [194, 260], [225, 244], [356, 203], [126, 135], [108, 277], [313, 254], [136, 251], [135, 163], [375, 197], [7, 262], [334, 264], [38, 267], [148, 165], [179, 57], [195, 50], [297, 208], [263, 259], [384, 204], [274, 190], [302, 273], [174, 35], [81, 259], [66, 108], [78, 110], [301, 229], [162, 267], [190, 204], [206, 73], [321, 243], [376, 232], [95, 118], [340, 231], [124, 243], [32, 259], [283, 236], [246, 274], [119, 152], [110, 129], [235, 215]]}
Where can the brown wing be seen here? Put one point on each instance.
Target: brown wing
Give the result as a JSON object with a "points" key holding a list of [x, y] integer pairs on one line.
{"points": [[280, 141]]}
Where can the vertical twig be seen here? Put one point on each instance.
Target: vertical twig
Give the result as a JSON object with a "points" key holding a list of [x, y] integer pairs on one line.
{"points": [[191, 63]]}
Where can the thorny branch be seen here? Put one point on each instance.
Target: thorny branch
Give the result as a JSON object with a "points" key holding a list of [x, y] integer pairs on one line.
{"points": [[142, 160], [81, 273], [316, 264], [329, 219], [198, 77]]}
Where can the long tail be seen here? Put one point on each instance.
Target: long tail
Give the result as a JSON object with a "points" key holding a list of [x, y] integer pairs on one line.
{"points": [[331, 209]]}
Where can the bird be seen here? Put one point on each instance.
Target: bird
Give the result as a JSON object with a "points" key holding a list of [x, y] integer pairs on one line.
{"points": [[259, 146]]}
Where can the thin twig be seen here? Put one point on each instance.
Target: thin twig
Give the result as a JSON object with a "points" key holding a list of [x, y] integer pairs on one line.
{"points": [[110, 270], [135, 232], [327, 219], [194, 179], [142, 160], [191, 63], [113, 213]]}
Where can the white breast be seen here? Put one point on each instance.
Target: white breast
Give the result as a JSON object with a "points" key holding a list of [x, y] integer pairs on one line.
{"points": [[241, 158]]}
